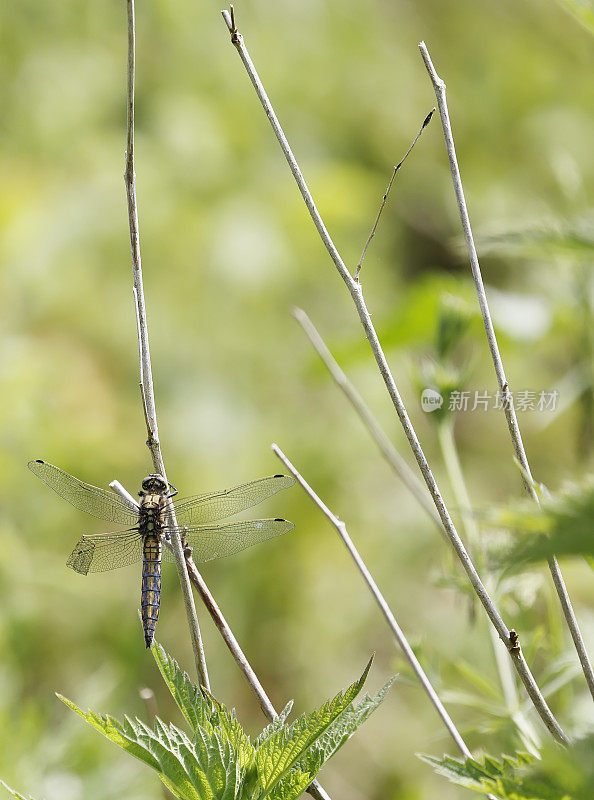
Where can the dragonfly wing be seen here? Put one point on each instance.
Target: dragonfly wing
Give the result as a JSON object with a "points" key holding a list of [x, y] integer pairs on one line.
{"points": [[103, 551], [84, 496], [216, 541], [211, 507]]}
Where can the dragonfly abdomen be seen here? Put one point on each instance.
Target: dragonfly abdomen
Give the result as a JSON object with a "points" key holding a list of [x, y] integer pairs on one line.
{"points": [[151, 586]]}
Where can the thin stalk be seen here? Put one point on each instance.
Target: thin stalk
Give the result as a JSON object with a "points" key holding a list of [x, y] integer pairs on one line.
{"points": [[380, 600], [146, 375], [508, 404], [451, 459], [384, 199], [387, 449], [356, 292], [315, 790]]}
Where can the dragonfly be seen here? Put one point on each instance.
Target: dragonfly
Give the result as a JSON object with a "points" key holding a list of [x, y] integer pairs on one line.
{"points": [[149, 530]]}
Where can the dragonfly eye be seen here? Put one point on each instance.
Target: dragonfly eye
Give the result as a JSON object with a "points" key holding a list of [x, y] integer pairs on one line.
{"points": [[154, 483]]}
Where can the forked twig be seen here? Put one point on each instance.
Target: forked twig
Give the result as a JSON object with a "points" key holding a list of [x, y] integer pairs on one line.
{"points": [[356, 293], [146, 375], [381, 601], [426, 122], [508, 404]]}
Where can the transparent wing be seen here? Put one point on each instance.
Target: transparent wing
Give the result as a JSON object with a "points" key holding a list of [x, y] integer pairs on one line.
{"points": [[84, 496], [103, 551], [216, 541], [218, 505]]}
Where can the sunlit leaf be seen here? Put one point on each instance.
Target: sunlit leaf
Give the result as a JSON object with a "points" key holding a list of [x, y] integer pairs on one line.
{"points": [[285, 748]]}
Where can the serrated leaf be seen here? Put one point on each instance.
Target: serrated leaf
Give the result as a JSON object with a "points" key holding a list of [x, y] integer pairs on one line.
{"points": [[276, 757], [291, 787], [203, 769], [200, 708], [508, 778], [341, 730], [14, 793], [186, 694], [275, 725]]}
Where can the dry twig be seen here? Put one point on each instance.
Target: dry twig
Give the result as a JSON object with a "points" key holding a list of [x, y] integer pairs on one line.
{"points": [[508, 402], [146, 376], [356, 293], [380, 600]]}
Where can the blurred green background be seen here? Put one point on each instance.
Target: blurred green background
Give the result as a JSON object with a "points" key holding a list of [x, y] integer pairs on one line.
{"points": [[228, 249]]}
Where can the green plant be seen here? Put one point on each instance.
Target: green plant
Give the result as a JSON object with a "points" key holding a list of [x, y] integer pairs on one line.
{"points": [[217, 760], [561, 774]]}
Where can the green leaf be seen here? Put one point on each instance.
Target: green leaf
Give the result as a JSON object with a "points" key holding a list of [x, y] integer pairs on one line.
{"points": [[562, 527], [508, 779], [14, 793], [200, 708], [281, 751], [275, 725], [204, 769], [341, 730], [188, 697], [292, 786]]}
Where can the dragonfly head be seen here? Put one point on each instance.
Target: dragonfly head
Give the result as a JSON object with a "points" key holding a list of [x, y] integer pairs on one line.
{"points": [[154, 484]]}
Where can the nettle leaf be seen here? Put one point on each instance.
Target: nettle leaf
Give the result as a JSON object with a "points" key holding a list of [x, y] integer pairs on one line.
{"points": [[341, 730], [14, 793], [291, 787], [508, 779], [281, 751], [217, 760], [275, 725], [562, 527], [203, 769], [200, 708], [186, 694]]}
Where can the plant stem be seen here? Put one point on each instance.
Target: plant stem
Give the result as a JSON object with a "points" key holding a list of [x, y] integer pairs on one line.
{"points": [[146, 375], [380, 600], [356, 292], [508, 403], [426, 122], [387, 449], [315, 790], [451, 459]]}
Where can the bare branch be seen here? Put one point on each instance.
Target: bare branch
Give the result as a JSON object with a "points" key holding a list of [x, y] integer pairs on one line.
{"points": [[146, 375], [380, 600], [508, 404], [356, 292], [426, 122], [387, 449], [117, 487]]}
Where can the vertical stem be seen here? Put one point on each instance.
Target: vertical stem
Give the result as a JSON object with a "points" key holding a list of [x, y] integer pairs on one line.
{"points": [[146, 374], [508, 403], [356, 292], [451, 458]]}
